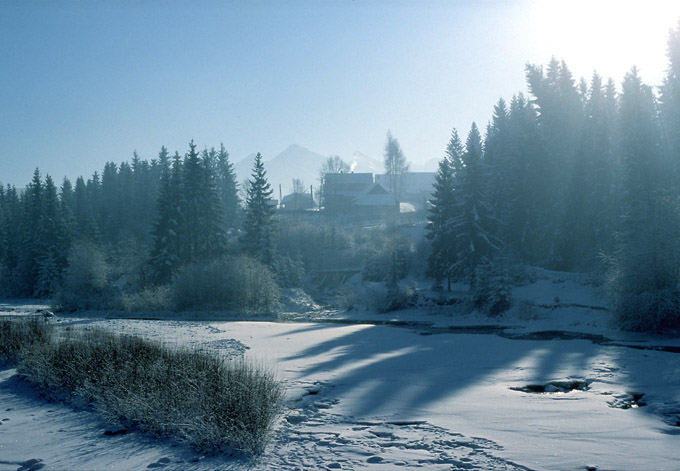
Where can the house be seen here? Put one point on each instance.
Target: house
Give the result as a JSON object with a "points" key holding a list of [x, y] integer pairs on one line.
{"points": [[376, 203], [416, 187], [355, 196], [297, 202], [340, 190]]}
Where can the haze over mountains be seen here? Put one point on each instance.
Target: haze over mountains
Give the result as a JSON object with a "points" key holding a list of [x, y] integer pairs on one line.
{"points": [[299, 162]]}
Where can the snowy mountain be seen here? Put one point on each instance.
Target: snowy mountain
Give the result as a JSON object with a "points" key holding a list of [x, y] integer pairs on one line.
{"points": [[294, 162]]}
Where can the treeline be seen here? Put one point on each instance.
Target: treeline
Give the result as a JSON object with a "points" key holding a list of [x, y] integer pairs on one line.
{"points": [[574, 176], [143, 219]]}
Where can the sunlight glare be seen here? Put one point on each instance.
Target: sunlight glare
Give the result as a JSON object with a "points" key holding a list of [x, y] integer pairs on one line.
{"points": [[606, 35]]}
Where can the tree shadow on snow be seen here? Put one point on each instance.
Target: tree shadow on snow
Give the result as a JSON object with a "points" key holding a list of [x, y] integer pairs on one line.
{"points": [[388, 370]]}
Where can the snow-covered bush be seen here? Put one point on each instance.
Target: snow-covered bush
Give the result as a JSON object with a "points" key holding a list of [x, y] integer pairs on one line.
{"points": [[491, 291], [238, 283]]}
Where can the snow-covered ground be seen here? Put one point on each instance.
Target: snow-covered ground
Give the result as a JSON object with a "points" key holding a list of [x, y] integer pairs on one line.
{"points": [[423, 394]]}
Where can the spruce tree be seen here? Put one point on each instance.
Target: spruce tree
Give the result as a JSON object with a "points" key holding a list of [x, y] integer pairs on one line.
{"points": [[643, 276], [497, 155], [441, 215], [257, 237], [166, 234], [474, 244], [53, 240], [227, 187], [670, 104], [31, 247], [86, 227]]}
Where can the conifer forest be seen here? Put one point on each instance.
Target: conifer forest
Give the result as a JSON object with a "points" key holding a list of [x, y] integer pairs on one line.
{"points": [[575, 174]]}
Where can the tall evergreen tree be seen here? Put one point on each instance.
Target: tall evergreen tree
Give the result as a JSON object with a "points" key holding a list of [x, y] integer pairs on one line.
{"points": [[442, 213], [86, 227], [227, 187], [644, 275], [166, 252], [53, 241], [475, 244], [10, 283], [31, 247], [670, 103], [257, 237], [202, 232], [497, 157]]}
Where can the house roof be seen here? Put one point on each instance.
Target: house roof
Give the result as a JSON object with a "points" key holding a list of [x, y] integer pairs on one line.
{"points": [[376, 195]]}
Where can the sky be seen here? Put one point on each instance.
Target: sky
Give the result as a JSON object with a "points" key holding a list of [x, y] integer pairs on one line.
{"points": [[83, 83]]}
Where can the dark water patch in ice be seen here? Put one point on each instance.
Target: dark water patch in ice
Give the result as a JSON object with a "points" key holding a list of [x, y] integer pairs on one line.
{"points": [[630, 400], [555, 387]]}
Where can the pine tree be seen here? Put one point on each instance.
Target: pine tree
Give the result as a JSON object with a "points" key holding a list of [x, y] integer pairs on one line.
{"points": [[441, 215], [560, 121], [643, 276], [227, 187], [670, 103], [112, 215], [475, 244], [54, 241], [497, 155], [166, 250], [10, 284], [202, 236], [257, 237], [86, 227], [31, 247]]}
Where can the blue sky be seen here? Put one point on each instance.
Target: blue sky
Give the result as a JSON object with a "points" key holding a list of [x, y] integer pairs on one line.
{"points": [[82, 83]]}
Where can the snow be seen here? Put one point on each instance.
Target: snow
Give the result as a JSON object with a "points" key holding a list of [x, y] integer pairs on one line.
{"points": [[424, 395]]}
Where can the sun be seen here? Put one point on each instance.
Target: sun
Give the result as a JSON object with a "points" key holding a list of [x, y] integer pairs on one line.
{"points": [[606, 35]]}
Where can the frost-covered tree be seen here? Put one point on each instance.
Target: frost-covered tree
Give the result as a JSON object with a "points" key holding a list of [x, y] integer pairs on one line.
{"points": [[258, 224]]}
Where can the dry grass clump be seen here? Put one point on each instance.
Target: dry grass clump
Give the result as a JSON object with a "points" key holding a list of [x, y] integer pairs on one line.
{"points": [[187, 395], [18, 334]]}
